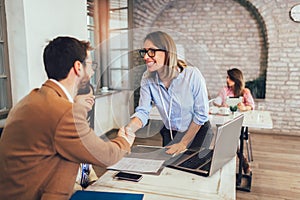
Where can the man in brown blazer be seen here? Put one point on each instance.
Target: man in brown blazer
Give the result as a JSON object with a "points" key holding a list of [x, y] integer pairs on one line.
{"points": [[46, 135]]}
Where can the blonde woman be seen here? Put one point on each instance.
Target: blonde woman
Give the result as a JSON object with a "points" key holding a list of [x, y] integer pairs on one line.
{"points": [[179, 93]]}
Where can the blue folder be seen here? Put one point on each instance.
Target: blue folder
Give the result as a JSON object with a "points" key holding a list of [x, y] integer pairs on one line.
{"points": [[91, 195]]}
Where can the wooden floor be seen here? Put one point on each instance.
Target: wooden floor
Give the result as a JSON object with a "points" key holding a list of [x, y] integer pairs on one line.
{"points": [[275, 167]]}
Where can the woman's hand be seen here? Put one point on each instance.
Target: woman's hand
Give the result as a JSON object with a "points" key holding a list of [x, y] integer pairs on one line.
{"points": [[176, 148], [242, 107]]}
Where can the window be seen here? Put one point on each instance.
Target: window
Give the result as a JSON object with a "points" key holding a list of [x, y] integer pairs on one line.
{"points": [[119, 47], [93, 34], [5, 88], [108, 27]]}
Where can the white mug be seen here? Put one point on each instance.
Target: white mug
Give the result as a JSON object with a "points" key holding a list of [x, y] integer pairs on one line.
{"points": [[104, 89]]}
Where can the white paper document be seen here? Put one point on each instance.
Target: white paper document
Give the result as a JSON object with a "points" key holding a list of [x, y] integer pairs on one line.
{"points": [[138, 165]]}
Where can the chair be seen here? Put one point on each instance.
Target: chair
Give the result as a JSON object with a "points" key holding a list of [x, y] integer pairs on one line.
{"points": [[247, 138]]}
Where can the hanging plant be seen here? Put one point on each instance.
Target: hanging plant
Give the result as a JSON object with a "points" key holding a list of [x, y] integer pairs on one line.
{"points": [[257, 87]]}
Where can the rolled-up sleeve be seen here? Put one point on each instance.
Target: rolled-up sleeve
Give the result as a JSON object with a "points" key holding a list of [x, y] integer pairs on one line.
{"points": [[201, 107], [144, 107], [248, 99]]}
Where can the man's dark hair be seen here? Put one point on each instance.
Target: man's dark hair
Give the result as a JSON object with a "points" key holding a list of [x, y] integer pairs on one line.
{"points": [[61, 53]]}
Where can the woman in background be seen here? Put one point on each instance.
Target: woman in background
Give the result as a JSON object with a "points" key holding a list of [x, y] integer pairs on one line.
{"points": [[236, 88]]}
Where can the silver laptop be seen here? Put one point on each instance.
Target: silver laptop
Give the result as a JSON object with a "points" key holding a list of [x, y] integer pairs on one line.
{"points": [[206, 162]]}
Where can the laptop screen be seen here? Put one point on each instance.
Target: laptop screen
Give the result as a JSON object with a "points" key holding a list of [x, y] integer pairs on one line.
{"points": [[206, 162], [233, 101], [226, 142]]}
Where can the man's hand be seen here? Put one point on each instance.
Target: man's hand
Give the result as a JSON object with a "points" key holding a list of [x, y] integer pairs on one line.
{"points": [[128, 134], [86, 100], [176, 148]]}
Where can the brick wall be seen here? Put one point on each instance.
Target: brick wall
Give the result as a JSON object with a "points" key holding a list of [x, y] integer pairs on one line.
{"points": [[219, 34]]}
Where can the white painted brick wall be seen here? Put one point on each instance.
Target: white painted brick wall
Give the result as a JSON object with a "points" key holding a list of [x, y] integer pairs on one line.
{"points": [[223, 34]]}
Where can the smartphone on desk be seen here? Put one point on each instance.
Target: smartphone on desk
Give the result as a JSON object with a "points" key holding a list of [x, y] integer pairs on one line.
{"points": [[128, 176]]}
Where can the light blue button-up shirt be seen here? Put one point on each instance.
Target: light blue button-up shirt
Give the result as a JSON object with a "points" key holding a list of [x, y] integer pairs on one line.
{"points": [[187, 93]]}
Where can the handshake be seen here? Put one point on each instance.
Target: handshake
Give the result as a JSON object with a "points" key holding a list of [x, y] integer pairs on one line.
{"points": [[127, 134]]}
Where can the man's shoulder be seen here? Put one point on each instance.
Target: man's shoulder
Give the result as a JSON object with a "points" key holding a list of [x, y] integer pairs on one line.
{"points": [[47, 99]]}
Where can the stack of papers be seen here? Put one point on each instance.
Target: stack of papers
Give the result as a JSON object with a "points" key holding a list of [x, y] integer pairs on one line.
{"points": [[138, 165], [143, 159]]}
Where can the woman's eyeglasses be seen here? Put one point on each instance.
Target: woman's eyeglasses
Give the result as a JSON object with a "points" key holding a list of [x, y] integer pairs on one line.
{"points": [[149, 52]]}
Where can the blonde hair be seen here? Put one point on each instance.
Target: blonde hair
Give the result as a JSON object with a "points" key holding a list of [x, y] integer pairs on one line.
{"points": [[164, 41]]}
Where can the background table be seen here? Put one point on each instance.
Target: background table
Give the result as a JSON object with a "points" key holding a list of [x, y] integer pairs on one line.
{"points": [[253, 119]]}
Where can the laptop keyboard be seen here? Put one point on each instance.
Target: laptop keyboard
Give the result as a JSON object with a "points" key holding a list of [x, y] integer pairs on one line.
{"points": [[198, 159]]}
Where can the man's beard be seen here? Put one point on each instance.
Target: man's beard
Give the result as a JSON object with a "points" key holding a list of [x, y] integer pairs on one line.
{"points": [[85, 89], [84, 85]]}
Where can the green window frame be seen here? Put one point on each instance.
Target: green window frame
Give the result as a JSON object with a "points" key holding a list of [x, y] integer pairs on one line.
{"points": [[5, 81]]}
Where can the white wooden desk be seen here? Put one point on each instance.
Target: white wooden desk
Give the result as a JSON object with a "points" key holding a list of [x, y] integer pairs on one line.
{"points": [[173, 184]]}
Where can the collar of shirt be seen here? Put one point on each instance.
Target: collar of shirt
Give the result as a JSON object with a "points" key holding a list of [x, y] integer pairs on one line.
{"points": [[63, 89], [177, 78]]}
